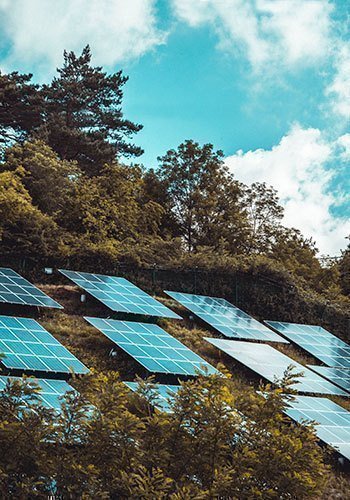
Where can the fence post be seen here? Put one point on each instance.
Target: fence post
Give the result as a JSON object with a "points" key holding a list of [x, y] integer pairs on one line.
{"points": [[236, 290], [154, 272]]}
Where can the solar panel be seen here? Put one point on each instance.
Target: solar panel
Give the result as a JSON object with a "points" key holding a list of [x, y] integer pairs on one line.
{"points": [[333, 421], [322, 344], [119, 294], [14, 289], [51, 390], [28, 346], [225, 317], [271, 364], [339, 376], [162, 394], [153, 347]]}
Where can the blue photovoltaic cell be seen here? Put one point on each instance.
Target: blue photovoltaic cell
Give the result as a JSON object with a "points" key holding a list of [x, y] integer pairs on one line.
{"points": [[153, 347], [162, 394], [322, 344], [119, 294], [271, 364], [225, 317], [333, 421], [14, 289], [28, 346], [51, 390], [339, 376]]}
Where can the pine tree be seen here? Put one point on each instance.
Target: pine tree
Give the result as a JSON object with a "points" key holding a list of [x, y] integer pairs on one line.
{"points": [[83, 119]]}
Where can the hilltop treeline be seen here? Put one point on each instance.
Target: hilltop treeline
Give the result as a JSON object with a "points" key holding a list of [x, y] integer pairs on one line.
{"points": [[66, 191]]}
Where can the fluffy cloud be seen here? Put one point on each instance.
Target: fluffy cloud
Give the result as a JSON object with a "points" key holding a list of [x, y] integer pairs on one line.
{"points": [[39, 30], [298, 168], [284, 32], [339, 89]]}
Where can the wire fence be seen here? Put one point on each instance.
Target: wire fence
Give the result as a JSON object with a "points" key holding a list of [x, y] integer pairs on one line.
{"points": [[257, 293]]}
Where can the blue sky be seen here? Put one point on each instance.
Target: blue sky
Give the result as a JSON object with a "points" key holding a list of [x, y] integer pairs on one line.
{"points": [[266, 81]]}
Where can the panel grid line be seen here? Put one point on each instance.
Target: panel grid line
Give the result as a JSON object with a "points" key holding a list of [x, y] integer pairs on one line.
{"points": [[226, 318], [14, 289], [119, 294], [272, 364], [28, 346], [152, 347]]}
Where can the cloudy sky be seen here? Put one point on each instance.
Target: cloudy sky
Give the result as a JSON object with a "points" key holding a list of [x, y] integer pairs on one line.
{"points": [[266, 81]]}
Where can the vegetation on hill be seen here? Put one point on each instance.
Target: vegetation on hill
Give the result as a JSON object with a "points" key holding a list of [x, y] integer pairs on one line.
{"points": [[69, 198]]}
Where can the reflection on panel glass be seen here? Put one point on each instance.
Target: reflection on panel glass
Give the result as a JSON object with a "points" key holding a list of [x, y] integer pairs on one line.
{"points": [[272, 364], [225, 317], [119, 294], [153, 347], [28, 346], [339, 376], [14, 289], [332, 421], [51, 392], [322, 344]]}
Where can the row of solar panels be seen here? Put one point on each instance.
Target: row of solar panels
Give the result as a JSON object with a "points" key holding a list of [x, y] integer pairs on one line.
{"points": [[154, 348]]}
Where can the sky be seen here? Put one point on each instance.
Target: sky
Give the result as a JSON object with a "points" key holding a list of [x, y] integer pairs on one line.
{"points": [[266, 81]]}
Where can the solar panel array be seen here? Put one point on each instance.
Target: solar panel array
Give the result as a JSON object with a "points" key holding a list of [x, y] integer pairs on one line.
{"points": [[119, 294], [14, 289], [322, 344], [225, 317], [162, 394], [152, 347], [51, 390], [272, 364], [333, 421], [339, 376], [28, 346]]}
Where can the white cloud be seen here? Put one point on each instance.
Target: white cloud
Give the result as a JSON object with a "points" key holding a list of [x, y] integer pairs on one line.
{"points": [[339, 89], [39, 30], [285, 33], [297, 168]]}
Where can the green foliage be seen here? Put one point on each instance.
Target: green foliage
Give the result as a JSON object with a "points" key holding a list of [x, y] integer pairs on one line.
{"points": [[24, 229], [79, 114], [218, 441], [20, 109], [201, 195]]}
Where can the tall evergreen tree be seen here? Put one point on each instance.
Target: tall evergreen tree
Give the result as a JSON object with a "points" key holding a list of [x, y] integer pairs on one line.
{"points": [[20, 107], [83, 118]]}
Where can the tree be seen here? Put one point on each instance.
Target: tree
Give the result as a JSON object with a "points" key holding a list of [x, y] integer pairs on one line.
{"points": [[24, 229], [218, 441], [20, 107], [264, 215], [344, 269], [202, 195], [79, 114], [110, 206], [83, 118], [49, 180]]}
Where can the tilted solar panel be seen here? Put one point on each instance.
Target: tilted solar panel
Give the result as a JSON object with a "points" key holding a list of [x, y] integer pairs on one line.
{"points": [[51, 390], [28, 346], [272, 364], [225, 317], [322, 344], [152, 347], [162, 394], [14, 289], [333, 421], [339, 376], [119, 294]]}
